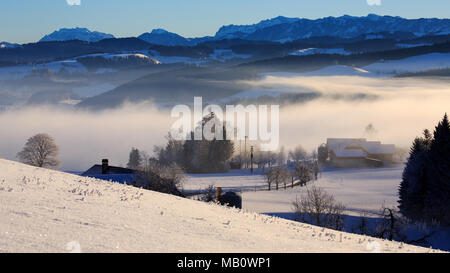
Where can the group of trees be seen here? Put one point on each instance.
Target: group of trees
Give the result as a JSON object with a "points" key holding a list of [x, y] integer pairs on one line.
{"points": [[424, 193], [161, 178], [317, 207], [193, 156], [199, 156], [268, 159], [282, 175]]}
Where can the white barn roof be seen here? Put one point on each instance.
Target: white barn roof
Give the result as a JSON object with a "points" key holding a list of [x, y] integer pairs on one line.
{"points": [[358, 147]]}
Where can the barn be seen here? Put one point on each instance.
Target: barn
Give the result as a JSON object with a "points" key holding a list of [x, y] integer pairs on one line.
{"points": [[359, 153]]}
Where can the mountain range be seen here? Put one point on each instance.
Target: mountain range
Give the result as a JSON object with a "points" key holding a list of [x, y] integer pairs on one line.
{"points": [[82, 34], [8, 45], [282, 29]]}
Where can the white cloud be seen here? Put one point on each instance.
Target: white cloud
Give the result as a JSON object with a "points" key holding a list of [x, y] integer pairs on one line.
{"points": [[374, 2], [73, 2]]}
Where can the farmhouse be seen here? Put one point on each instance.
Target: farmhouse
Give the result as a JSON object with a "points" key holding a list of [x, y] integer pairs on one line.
{"points": [[358, 153], [107, 172]]}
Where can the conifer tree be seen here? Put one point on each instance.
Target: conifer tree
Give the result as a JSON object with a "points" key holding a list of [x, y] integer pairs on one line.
{"points": [[135, 160], [424, 193], [438, 198], [414, 183]]}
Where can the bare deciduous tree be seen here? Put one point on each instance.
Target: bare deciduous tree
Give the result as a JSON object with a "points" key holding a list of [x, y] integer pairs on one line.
{"points": [[278, 175], [319, 208], [40, 151], [303, 173], [209, 194], [162, 178]]}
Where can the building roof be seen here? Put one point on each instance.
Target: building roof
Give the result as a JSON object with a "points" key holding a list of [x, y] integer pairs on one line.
{"points": [[97, 170], [358, 147]]}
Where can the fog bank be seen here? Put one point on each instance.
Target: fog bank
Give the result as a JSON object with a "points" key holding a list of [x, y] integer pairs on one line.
{"points": [[403, 108]]}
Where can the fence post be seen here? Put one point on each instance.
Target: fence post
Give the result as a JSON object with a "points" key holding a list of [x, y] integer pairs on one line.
{"points": [[218, 194]]}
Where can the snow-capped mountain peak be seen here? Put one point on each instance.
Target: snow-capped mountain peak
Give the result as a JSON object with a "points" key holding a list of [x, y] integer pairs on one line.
{"points": [[8, 45], [82, 34], [159, 31], [163, 37], [288, 29]]}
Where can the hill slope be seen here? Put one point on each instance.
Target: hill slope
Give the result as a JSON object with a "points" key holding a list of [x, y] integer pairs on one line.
{"points": [[44, 211]]}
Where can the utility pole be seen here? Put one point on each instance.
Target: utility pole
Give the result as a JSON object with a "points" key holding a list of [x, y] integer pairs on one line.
{"points": [[245, 153], [240, 152], [251, 159]]}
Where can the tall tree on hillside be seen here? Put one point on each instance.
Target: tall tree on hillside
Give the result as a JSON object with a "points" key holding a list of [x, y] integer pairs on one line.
{"points": [[438, 198], [40, 151], [135, 159], [414, 185], [425, 188], [171, 153]]}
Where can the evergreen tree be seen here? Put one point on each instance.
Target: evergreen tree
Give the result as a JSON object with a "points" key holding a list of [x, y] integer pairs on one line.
{"points": [[413, 187], [135, 160], [424, 193], [171, 153], [438, 198]]}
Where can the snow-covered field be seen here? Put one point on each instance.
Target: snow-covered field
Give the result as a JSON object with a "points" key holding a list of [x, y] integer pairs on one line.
{"points": [[49, 211], [360, 190], [236, 180]]}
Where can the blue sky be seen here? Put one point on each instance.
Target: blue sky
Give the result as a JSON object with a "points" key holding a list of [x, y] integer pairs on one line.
{"points": [[28, 20]]}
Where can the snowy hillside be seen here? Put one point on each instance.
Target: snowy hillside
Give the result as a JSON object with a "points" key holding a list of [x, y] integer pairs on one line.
{"points": [[411, 64], [49, 211], [312, 51], [381, 68]]}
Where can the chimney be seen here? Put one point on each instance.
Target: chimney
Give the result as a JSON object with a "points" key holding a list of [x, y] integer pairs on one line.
{"points": [[105, 166]]}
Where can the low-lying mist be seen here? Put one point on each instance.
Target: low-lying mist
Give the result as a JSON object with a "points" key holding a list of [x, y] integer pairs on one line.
{"points": [[401, 110]]}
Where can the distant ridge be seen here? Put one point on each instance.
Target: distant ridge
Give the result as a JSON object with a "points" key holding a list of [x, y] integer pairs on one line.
{"points": [[82, 34], [282, 29]]}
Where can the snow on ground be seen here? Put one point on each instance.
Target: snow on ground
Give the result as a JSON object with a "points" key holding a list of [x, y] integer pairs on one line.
{"points": [[360, 190], [236, 180], [334, 70], [175, 59], [412, 45], [122, 55], [339, 70], [223, 55], [411, 64], [20, 71], [313, 51], [379, 69], [49, 211]]}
